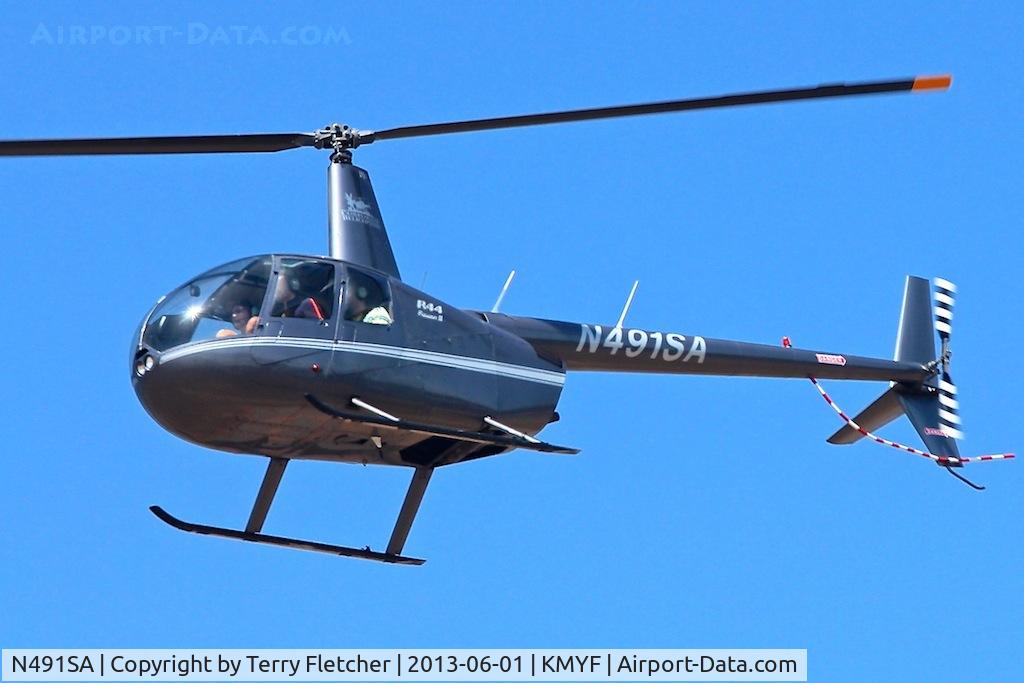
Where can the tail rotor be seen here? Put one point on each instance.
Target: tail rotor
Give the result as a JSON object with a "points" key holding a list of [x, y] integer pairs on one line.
{"points": [[949, 406], [945, 297]]}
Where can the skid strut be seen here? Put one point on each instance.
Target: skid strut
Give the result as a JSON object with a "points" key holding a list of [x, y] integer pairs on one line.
{"points": [[271, 480], [410, 506]]}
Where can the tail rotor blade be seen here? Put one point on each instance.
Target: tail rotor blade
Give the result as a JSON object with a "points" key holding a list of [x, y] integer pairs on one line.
{"points": [[945, 296], [949, 408], [949, 405]]}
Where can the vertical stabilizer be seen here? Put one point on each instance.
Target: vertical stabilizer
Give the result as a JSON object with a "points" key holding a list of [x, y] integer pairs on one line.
{"points": [[915, 338], [923, 411]]}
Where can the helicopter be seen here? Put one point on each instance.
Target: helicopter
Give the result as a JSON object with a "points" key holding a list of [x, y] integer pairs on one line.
{"points": [[336, 358]]}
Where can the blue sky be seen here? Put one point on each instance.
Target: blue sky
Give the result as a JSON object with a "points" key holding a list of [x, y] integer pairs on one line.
{"points": [[702, 512]]}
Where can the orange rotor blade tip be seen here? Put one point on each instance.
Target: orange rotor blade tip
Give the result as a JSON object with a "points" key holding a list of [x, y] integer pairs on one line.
{"points": [[932, 82]]}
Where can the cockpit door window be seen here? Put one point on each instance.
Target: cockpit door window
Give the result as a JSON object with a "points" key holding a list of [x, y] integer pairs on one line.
{"points": [[304, 288], [366, 298]]}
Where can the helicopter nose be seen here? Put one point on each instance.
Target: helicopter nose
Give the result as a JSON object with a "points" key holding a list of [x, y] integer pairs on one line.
{"points": [[143, 363], [179, 396]]}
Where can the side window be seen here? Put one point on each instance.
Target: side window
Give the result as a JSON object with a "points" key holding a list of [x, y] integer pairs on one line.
{"points": [[304, 289], [367, 298]]}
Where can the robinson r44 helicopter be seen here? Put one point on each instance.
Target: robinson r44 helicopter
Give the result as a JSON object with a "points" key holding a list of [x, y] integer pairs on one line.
{"points": [[297, 357]]}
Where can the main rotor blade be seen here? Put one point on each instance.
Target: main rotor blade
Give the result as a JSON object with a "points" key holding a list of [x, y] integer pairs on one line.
{"points": [[178, 144], [739, 99], [333, 136]]}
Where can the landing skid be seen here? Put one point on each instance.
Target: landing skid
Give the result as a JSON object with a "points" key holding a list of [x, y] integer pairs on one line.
{"points": [[268, 489], [266, 539]]}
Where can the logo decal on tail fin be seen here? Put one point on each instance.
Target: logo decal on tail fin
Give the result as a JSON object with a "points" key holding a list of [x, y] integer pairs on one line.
{"points": [[358, 210]]}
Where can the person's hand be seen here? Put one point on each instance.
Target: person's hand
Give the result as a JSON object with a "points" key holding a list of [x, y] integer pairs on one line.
{"points": [[250, 326], [221, 334]]}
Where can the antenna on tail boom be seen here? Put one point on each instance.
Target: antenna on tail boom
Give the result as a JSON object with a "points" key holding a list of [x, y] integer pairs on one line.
{"points": [[625, 309]]}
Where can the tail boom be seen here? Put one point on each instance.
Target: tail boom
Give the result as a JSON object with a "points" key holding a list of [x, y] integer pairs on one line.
{"points": [[609, 348]]}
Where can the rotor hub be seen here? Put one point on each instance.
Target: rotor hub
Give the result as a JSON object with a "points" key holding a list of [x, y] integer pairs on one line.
{"points": [[341, 138]]}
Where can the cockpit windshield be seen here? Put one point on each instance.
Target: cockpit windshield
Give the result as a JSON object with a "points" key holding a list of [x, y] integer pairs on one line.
{"points": [[220, 303]]}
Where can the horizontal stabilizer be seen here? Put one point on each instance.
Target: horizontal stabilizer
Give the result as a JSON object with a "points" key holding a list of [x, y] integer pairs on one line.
{"points": [[884, 410]]}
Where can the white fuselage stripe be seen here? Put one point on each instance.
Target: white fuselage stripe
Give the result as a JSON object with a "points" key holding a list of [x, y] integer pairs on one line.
{"points": [[414, 355]]}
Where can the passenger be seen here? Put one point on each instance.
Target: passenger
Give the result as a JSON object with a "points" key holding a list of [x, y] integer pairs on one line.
{"points": [[243, 321], [288, 304], [362, 311]]}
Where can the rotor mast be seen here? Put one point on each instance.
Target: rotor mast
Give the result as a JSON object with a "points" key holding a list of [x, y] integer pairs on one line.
{"points": [[334, 193], [355, 228]]}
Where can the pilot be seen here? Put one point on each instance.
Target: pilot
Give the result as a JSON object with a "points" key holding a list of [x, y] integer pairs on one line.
{"points": [[288, 304], [362, 311], [242, 319]]}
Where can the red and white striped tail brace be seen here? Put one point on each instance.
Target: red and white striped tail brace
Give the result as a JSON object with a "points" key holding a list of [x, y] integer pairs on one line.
{"points": [[941, 459]]}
